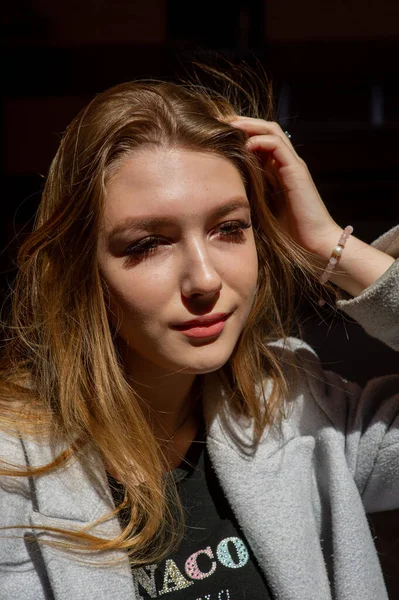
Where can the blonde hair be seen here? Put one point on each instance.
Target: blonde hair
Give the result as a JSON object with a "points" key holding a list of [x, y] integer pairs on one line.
{"points": [[61, 372]]}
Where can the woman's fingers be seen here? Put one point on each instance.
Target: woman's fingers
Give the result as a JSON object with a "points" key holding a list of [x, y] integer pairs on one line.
{"points": [[281, 152], [253, 127]]}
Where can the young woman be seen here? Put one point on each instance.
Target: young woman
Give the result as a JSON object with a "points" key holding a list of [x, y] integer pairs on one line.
{"points": [[161, 435]]}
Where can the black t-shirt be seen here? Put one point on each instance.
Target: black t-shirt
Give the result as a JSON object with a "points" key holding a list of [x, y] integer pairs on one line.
{"points": [[214, 560]]}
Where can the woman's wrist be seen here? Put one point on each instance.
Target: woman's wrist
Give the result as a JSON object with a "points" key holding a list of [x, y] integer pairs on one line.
{"points": [[359, 265]]}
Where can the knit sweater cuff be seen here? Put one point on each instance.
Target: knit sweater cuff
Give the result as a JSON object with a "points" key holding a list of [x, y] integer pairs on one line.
{"points": [[377, 307]]}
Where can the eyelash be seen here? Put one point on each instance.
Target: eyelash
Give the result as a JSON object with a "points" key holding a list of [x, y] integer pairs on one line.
{"points": [[233, 232]]}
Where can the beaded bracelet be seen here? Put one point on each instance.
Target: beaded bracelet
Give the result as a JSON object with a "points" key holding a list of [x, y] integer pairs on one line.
{"points": [[334, 258]]}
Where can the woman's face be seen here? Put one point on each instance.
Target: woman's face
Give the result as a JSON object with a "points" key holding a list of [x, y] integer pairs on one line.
{"points": [[176, 245]]}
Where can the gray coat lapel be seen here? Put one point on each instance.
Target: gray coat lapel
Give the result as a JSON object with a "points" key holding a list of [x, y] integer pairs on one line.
{"points": [[270, 493], [67, 499]]}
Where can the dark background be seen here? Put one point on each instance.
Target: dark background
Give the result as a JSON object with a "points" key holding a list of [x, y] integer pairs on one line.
{"points": [[334, 69]]}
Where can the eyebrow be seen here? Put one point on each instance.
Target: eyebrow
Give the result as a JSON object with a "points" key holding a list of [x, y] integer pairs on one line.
{"points": [[148, 223]]}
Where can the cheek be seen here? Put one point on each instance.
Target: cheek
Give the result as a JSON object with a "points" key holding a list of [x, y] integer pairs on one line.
{"points": [[138, 297], [242, 272]]}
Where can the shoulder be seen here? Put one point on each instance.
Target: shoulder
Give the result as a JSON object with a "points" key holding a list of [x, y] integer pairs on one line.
{"points": [[15, 490], [300, 364], [322, 401], [24, 450], [304, 397], [293, 348], [317, 398], [11, 449]]}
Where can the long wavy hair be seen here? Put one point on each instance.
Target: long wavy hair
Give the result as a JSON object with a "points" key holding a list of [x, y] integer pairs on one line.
{"points": [[61, 374]]}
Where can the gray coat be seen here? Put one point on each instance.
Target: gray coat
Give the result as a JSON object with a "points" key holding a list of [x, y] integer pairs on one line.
{"points": [[300, 498]]}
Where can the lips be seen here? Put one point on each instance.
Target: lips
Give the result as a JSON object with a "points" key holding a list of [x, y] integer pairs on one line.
{"points": [[206, 321]]}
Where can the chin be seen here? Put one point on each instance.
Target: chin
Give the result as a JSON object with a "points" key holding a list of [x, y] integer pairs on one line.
{"points": [[206, 357], [204, 370], [208, 365]]}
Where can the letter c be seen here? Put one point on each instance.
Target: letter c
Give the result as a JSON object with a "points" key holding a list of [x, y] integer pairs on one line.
{"points": [[191, 566]]}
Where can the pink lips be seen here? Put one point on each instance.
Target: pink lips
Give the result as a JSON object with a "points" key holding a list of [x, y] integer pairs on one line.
{"points": [[204, 326]]}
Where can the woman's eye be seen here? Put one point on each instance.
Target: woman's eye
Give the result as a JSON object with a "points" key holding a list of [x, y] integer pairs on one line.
{"points": [[233, 230], [142, 249]]}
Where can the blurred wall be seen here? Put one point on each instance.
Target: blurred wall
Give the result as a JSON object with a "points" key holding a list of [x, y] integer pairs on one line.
{"points": [[331, 19]]}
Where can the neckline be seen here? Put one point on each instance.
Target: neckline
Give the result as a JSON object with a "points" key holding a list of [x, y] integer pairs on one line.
{"points": [[187, 465], [192, 456]]}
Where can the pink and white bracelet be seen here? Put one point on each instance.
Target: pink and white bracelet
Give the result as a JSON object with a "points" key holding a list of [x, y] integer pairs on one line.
{"points": [[334, 258]]}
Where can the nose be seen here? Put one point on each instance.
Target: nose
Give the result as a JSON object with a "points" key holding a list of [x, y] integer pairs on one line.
{"points": [[200, 276]]}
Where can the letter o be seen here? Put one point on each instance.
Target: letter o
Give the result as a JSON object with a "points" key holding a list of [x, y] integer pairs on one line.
{"points": [[224, 555]]}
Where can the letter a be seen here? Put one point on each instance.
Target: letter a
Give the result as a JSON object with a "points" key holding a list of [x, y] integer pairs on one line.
{"points": [[173, 576]]}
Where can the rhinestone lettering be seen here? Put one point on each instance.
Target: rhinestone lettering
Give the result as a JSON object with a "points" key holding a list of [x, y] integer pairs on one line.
{"points": [[191, 566], [224, 555], [172, 576]]}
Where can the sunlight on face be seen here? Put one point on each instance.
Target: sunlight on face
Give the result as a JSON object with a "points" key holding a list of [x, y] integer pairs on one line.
{"points": [[177, 244]]}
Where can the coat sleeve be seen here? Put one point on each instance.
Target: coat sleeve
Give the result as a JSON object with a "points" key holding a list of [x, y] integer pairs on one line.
{"points": [[368, 418], [377, 307]]}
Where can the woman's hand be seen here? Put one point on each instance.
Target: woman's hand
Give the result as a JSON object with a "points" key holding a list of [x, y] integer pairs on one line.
{"points": [[302, 213], [300, 210]]}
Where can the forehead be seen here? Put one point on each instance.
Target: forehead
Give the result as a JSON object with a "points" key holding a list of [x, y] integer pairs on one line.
{"points": [[170, 182]]}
